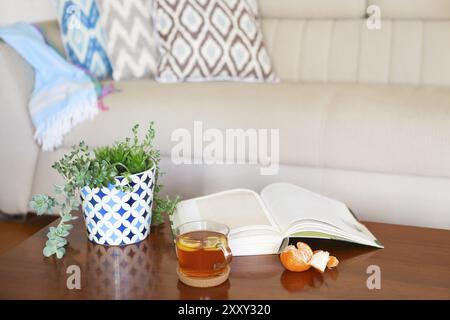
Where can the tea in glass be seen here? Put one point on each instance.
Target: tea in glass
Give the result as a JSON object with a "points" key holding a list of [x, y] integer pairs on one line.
{"points": [[202, 249]]}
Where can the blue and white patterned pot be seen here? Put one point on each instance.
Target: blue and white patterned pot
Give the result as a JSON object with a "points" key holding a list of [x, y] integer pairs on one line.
{"points": [[114, 217]]}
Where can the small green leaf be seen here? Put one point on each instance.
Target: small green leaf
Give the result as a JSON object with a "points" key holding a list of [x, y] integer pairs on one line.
{"points": [[51, 235], [59, 190], [61, 242], [60, 252], [67, 218], [69, 227], [62, 232], [42, 204], [48, 251], [51, 243]]}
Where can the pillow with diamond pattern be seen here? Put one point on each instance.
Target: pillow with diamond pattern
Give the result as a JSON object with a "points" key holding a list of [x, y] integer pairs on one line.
{"points": [[204, 40]]}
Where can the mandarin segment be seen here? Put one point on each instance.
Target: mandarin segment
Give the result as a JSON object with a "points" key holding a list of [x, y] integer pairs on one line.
{"points": [[305, 251]]}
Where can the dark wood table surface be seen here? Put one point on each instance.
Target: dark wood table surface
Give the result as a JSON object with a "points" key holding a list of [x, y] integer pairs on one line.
{"points": [[415, 264]]}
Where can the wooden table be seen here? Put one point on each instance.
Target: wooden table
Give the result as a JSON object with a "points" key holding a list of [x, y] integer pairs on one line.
{"points": [[414, 265]]}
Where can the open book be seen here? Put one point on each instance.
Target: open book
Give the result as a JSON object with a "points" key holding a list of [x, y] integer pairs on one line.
{"points": [[262, 224]]}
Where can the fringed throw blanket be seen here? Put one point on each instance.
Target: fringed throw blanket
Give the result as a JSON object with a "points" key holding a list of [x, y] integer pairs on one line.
{"points": [[63, 94]]}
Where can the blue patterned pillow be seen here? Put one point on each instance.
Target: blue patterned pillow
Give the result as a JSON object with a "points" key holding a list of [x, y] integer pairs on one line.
{"points": [[83, 35]]}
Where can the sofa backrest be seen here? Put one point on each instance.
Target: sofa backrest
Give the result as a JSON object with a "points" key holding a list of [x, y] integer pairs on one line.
{"points": [[329, 41]]}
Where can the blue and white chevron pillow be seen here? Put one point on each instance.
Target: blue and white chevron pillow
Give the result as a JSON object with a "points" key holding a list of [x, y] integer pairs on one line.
{"points": [[83, 36]]}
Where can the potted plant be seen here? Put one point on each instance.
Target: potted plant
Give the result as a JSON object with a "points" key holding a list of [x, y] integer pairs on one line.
{"points": [[117, 187]]}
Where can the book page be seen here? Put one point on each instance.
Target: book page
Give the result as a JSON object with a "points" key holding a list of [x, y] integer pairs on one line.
{"points": [[238, 209], [290, 205]]}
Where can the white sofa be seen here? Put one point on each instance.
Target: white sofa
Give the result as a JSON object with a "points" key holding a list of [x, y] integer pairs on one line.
{"points": [[364, 115]]}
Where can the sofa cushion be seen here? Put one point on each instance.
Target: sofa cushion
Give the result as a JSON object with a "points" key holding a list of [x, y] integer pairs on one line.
{"points": [[130, 41], [313, 9], [82, 35], [413, 9], [386, 129], [404, 52], [213, 40]]}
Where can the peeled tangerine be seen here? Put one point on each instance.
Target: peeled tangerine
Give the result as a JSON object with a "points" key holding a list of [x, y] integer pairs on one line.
{"points": [[297, 259], [301, 258]]}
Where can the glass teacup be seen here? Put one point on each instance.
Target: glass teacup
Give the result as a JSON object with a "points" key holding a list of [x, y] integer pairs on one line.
{"points": [[202, 248]]}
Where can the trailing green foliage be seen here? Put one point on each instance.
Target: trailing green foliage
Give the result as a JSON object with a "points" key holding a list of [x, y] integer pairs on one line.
{"points": [[82, 168]]}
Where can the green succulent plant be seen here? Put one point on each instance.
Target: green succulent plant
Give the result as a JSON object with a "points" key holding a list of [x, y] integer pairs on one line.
{"points": [[97, 169]]}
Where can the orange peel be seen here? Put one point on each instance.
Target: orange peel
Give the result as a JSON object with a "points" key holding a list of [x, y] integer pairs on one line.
{"points": [[319, 260], [332, 262], [301, 258]]}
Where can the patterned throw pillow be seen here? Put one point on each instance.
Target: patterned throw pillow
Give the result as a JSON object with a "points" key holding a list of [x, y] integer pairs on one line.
{"points": [[129, 41], [204, 40], [83, 36]]}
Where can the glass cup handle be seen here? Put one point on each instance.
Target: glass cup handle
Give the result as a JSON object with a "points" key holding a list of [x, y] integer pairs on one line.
{"points": [[227, 254]]}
